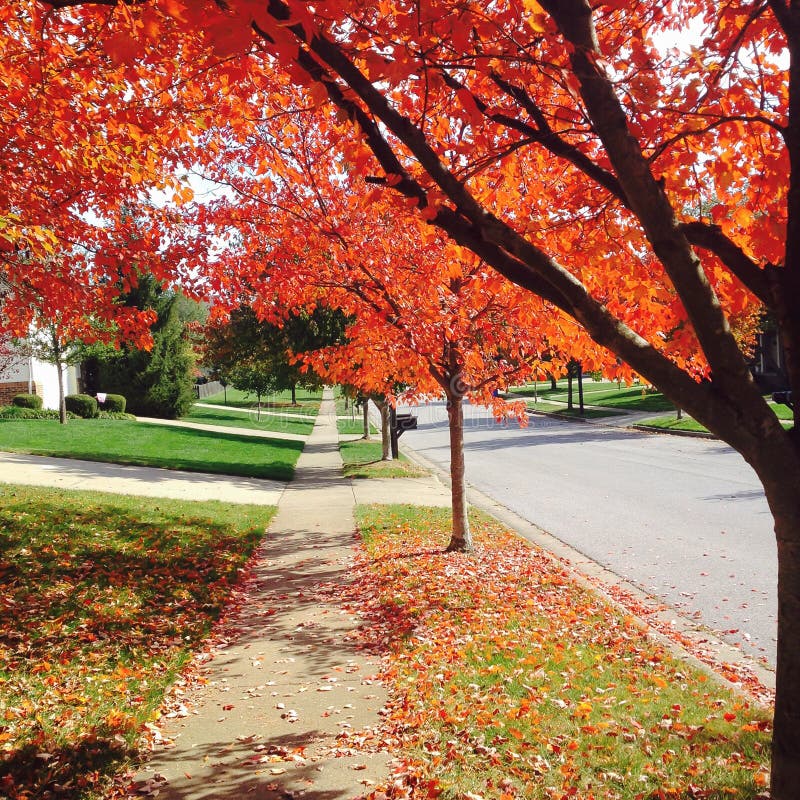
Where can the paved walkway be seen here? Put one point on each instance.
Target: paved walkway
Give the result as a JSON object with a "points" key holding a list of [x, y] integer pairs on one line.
{"points": [[289, 693], [70, 473], [264, 412], [202, 426]]}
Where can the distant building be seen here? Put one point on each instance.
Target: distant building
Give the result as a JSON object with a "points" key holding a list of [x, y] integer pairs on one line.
{"points": [[769, 362]]}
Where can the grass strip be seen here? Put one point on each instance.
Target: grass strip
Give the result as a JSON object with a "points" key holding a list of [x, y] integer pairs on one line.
{"points": [[103, 599], [308, 401], [607, 395], [280, 422], [128, 442], [686, 423], [554, 408], [508, 680], [352, 426], [362, 459]]}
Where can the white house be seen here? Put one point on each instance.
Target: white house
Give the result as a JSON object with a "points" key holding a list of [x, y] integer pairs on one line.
{"points": [[28, 375]]}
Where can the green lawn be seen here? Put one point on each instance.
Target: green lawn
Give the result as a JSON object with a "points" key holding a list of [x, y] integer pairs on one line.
{"points": [[105, 598], [239, 418], [599, 393], [588, 413], [307, 401], [672, 423], [362, 459], [129, 442], [350, 426]]}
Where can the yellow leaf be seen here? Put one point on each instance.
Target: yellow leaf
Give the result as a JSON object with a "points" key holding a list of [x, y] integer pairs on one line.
{"points": [[538, 18]]}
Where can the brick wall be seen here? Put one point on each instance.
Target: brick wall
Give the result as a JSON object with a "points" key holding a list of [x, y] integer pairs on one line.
{"points": [[9, 390]]}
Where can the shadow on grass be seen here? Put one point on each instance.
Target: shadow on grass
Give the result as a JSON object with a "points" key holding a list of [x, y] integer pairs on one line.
{"points": [[116, 592], [32, 773]]}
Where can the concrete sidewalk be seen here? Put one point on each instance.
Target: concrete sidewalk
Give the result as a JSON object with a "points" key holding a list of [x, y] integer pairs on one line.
{"points": [[290, 694], [226, 429], [290, 415], [96, 476]]}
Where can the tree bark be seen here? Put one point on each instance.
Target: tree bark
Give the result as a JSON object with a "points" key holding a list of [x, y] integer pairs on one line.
{"points": [[393, 441], [365, 409], [294, 394], [781, 479], [62, 403], [386, 441], [461, 537], [570, 405], [786, 734]]}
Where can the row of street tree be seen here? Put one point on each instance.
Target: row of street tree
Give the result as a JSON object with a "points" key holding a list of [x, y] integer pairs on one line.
{"points": [[612, 182]]}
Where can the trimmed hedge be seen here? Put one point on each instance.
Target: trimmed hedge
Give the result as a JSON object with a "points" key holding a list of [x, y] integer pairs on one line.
{"points": [[114, 402], [17, 412], [27, 401], [83, 405], [115, 415]]}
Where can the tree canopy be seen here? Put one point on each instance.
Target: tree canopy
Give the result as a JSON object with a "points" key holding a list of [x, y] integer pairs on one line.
{"points": [[634, 165]]}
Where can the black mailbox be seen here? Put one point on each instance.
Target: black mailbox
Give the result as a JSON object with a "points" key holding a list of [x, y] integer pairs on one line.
{"points": [[404, 422]]}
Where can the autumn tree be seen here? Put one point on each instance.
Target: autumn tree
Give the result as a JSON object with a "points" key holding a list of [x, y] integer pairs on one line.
{"points": [[464, 340], [428, 317], [574, 148], [80, 163]]}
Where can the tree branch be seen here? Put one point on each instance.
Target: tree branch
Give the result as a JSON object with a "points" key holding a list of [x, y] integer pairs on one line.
{"points": [[710, 237], [652, 207]]}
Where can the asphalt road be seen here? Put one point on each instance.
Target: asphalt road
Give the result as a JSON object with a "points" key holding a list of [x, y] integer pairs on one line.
{"points": [[685, 519]]}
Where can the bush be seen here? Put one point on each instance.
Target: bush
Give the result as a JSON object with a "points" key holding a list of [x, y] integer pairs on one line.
{"points": [[82, 404], [17, 412], [114, 402], [28, 401], [115, 415]]}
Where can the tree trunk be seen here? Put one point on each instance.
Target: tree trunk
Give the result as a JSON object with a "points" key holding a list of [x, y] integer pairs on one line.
{"points": [[783, 490], [386, 443], [579, 370], [461, 538], [365, 410], [294, 394], [553, 383], [569, 388], [62, 403], [395, 445]]}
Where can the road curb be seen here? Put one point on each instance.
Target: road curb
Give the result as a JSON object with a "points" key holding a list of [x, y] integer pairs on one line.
{"points": [[594, 576]]}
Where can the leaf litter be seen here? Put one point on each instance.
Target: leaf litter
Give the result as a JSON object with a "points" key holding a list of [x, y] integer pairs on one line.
{"points": [[507, 679]]}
